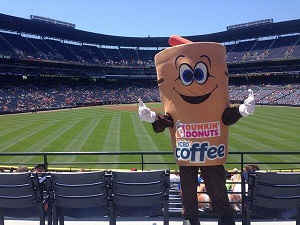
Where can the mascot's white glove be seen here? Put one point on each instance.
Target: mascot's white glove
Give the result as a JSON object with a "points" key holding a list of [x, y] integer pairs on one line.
{"points": [[145, 114], [248, 107]]}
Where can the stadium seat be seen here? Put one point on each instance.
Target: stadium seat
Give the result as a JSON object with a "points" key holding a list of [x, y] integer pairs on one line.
{"points": [[78, 195], [271, 191], [20, 196], [140, 194]]}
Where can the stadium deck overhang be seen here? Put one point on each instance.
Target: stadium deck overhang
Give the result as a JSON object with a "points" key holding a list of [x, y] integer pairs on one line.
{"points": [[22, 25]]}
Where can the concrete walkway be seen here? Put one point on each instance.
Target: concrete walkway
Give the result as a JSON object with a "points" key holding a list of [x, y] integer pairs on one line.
{"points": [[35, 222]]}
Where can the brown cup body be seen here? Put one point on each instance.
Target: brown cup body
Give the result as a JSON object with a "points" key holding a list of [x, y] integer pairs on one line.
{"points": [[199, 137]]}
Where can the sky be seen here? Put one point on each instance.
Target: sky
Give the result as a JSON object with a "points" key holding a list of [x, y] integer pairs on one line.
{"points": [[155, 18]]}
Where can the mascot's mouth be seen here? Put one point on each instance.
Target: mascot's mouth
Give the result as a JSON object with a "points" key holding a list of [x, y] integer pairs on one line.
{"points": [[196, 99]]}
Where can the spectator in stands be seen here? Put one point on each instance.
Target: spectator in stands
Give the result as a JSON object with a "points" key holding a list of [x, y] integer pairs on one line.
{"points": [[235, 197], [39, 168], [175, 180], [203, 198], [22, 169], [174, 177], [250, 168]]}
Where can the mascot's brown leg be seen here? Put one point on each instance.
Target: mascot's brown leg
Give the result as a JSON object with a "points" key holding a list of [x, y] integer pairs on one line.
{"points": [[215, 180], [189, 182]]}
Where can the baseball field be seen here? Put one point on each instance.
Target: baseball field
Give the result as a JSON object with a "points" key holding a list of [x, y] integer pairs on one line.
{"points": [[118, 129]]}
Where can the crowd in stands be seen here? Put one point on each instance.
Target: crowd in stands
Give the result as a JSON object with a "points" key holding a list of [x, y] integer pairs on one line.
{"points": [[17, 95], [255, 50], [43, 94], [268, 94], [17, 46]]}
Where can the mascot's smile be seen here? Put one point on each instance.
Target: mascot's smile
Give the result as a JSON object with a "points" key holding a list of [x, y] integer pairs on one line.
{"points": [[196, 99]]}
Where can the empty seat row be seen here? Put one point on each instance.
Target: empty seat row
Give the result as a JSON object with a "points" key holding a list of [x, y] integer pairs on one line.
{"points": [[105, 194]]}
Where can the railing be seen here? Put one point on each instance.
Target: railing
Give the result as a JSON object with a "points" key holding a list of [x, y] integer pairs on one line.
{"points": [[141, 162]]}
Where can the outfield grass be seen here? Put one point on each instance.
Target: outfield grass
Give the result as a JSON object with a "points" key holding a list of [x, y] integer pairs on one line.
{"points": [[104, 130]]}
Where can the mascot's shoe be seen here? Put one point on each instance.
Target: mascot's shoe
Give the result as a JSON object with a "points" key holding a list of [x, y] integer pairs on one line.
{"points": [[226, 221], [193, 221]]}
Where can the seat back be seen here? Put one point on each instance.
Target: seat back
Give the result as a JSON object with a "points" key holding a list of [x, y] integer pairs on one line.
{"points": [[274, 190], [140, 193], [77, 191], [20, 195], [17, 190]]}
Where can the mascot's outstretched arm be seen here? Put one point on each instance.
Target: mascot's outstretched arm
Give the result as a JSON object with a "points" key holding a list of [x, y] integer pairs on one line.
{"points": [[233, 113], [248, 107], [159, 121], [145, 114]]}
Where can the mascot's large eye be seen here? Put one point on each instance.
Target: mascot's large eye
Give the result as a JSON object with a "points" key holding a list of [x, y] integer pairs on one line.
{"points": [[186, 74], [200, 73]]}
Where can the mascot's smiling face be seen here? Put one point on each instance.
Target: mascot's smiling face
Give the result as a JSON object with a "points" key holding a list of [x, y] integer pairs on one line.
{"points": [[192, 75], [197, 75]]}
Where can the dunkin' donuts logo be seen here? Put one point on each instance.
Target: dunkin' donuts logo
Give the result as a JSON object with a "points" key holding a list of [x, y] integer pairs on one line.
{"points": [[198, 130], [198, 152]]}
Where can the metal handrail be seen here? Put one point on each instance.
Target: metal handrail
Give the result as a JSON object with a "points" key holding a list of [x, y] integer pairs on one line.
{"points": [[141, 161]]}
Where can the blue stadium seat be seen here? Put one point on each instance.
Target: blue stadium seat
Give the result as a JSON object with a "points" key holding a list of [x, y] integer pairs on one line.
{"points": [[271, 192], [140, 194], [20, 196], [78, 195]]}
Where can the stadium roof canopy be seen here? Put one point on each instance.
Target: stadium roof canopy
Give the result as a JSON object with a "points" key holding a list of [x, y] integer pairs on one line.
{"points": [[22, 25]]}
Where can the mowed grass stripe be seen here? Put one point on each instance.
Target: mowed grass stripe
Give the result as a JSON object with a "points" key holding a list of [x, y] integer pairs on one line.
{"points": [[60, 141], [249, 144], [287, 112], [260, 147], [56, 133], [70, 141], [242, 144], [13, 128], [252, 141], [96, 140], [79, 140], [46, 138], [35, 140], [13, 122], [128, 139], [15, 145], [112, 140], [279, 127], [145, 134], [262, 132], [268, 135], [292, 124], [235, 145], [18, 135], [54, 142]]}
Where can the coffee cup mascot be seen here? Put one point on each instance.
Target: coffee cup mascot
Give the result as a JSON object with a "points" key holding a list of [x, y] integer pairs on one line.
{"points": [[193, 84]]}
